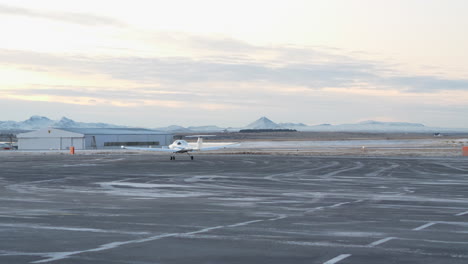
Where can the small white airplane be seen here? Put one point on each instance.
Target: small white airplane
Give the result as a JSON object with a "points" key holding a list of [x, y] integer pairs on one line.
{"points": [[181, 146]]}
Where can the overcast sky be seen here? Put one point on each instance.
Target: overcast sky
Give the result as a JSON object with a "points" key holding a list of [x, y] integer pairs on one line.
{"points": [[211, 62]]}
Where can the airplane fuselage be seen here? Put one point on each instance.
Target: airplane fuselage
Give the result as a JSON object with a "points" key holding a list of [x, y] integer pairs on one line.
{"points": [[181, 146]]}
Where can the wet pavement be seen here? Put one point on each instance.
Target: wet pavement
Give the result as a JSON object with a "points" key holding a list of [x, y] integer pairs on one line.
{"points": [[141, 208]]}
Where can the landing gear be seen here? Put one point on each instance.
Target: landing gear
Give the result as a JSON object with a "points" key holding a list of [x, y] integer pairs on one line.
{"points": [[191, 157], [173, 156]]}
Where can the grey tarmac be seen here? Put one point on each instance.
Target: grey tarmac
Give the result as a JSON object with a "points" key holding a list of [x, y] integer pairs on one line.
{"points": [[140, 208]]}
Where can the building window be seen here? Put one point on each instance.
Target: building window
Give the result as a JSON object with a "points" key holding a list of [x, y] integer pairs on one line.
{"points": [[118, 144]]}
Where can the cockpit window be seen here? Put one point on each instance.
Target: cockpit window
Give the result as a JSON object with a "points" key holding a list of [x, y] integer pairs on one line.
{"points": [[179, 143]]}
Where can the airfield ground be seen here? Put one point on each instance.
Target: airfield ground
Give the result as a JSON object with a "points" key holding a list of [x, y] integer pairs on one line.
{"points": [[125, 207]]}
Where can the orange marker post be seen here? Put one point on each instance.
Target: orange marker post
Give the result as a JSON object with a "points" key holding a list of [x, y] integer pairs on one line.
{"points": [[72, 150], [465, 151]]}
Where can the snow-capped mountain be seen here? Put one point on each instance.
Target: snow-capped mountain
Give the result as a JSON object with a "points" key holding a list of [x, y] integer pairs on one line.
{"points": [[66, 122], [37, 122], [34, 122]]}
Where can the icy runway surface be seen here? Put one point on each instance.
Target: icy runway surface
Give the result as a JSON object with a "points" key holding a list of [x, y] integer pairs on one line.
{"points": [[232, 209]]}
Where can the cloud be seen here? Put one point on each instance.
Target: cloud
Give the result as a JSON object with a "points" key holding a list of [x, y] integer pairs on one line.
{"points": [[69, 17], [427, 84], [136, 94], [129, 97], [308, 67], [187, 70]]}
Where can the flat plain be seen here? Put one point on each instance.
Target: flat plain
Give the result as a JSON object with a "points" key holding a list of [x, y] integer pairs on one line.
{"points": [[144, 208]]}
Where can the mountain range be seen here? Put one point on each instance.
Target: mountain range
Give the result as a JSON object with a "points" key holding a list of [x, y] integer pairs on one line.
{"points": [[365, 126], [36, 122]]}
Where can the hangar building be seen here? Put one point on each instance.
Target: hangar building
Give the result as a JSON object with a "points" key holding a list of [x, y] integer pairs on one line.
{"points": [[91, 138]]}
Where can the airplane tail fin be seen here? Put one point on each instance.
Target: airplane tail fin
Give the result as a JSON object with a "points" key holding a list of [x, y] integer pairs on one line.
{"points": [[200, 139], [200, 143]]}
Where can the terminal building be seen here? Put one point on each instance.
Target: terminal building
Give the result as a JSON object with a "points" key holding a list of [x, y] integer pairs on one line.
{"points": [[91, 138]]}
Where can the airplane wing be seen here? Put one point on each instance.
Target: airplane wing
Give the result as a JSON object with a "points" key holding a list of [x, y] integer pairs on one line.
{"points": [[219, 147], [152, 149]]}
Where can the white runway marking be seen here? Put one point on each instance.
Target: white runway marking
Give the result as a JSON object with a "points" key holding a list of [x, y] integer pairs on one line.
{"points": [[53, 256], [77, 229], [381, 241], [245, 223], [424, 226], [436, 241], [339, 258], [339, 204], [141, 185], [463, 213], [452, 223], [62, 255], [442, 222]]}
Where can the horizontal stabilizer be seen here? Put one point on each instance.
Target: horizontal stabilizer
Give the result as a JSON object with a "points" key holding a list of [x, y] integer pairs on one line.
{"points": [[220, 147], [151, 149], [200, 136]]}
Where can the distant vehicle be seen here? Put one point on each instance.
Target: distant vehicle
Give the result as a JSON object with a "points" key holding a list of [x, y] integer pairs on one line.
{"points": [[5, 146], [181, 146]]}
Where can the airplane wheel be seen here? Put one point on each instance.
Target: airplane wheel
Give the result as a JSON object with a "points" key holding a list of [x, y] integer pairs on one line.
{"points": [[191, 157]]}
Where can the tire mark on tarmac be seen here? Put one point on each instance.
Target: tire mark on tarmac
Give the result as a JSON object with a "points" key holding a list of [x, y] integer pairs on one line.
{"points": [[279, 177], [358, 165], [451, 167], [462, 213], [380, 171], [331, 206]]}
